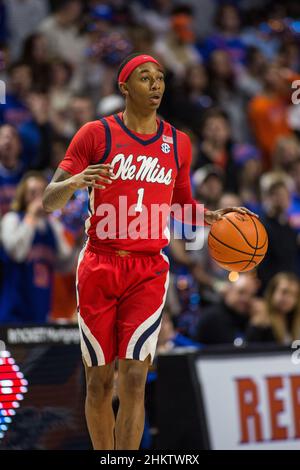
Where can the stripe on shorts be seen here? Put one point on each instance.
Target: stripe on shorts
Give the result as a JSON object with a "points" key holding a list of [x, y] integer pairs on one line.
{"points": [[90, 347], [139, 345]]}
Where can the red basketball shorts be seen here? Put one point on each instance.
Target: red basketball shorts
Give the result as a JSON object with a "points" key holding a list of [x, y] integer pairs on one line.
{"points": [[120, 301]]}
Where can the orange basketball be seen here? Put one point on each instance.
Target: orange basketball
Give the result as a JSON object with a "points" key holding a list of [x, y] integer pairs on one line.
{"points": [[238, 242]]}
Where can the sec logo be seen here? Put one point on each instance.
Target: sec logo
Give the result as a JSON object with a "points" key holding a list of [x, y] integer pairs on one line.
{"points": [[165, 147]]}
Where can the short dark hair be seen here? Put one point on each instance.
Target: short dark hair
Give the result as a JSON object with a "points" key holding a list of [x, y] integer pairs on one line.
{"points": [[182, 10], [125, 61], [214, 113], [61, 4], [17, 64]]}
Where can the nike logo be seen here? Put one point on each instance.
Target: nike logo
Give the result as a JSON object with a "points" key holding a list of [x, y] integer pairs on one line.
{"points": [[121, 145], [160, 272]]}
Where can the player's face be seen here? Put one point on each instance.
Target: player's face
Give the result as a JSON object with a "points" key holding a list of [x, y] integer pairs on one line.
{"points": [[146, 86]]}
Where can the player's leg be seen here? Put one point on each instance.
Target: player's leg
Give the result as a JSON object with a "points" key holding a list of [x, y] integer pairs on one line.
{"points": [[98, 405], [139, 314], [131, 414], [97, 299]]}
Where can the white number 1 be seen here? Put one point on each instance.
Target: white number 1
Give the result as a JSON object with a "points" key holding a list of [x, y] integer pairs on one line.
{"points": [[138, 207]]}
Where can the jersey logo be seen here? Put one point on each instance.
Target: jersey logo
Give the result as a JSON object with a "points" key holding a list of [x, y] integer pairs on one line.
{"points": [[149, 169], [165, 148], [168, 139], [122, 145]]}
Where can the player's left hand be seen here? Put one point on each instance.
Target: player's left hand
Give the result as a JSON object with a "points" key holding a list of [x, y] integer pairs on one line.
{"points": [[212, 216]]}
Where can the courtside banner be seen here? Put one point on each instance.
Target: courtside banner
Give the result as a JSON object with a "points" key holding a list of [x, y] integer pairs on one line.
{"points": [[251, 401]]}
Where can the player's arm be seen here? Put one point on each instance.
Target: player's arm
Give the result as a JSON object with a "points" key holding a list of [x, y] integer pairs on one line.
{"points": [[64, 184], [75, 170], [182, 193], [189, 211]]}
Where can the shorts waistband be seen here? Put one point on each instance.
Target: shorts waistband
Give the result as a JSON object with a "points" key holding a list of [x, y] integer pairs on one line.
{"points": [[120, 253]]}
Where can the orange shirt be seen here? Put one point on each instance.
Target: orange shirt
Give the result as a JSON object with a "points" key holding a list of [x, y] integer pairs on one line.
{"points": [[268, 118], [64, 297], [64, 302]]}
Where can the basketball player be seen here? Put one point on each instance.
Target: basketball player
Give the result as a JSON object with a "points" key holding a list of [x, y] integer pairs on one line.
{"points": [[122, 280]]}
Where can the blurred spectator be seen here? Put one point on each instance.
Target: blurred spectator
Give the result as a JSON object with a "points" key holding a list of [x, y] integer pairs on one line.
{"points": [[203, 13], [60, 92], [225, 92], [106, 47], [294, 209], [286, 153], [227, 37], [3, 22], [261, 35], [110, 104], [283, 248], [81, 111], [192, 98], [178, 49], [210, 276], [269, 110], [228, 321], [4, 62], [142, 40], [216, 147], [208, 182], [23, 17], [182, 296], [11, 169], [248, 159], [169, 338], [61, 30], [32, 243], [156, 17], [283, 306], [36, 133], [259, 328], [59, 148], [35, 54], [15, 111], [288, 55], [249, 78]]}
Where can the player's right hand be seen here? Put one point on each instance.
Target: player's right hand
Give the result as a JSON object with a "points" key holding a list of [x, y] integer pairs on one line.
{"points": [[94, 176]]}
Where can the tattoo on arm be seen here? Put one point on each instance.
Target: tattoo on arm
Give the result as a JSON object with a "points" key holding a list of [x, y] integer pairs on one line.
{"points": [[58, 192]]}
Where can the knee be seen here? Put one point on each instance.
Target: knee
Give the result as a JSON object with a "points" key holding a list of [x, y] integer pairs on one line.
{"points": [[134, 381], [99, 390]]}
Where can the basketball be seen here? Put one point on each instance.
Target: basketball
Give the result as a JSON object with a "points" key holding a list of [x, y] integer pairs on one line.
{"points": [[238, 242]]}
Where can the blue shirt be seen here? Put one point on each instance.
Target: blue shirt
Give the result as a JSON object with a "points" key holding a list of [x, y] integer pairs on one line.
{"points": [[9, 180], [26, 290], [14, 111], [235, 47]]}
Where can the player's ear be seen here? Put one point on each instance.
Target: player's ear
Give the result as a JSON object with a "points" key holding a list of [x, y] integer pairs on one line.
{"points": [[123, 89]]}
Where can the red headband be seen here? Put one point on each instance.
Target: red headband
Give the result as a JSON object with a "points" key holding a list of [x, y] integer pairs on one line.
{"points": [[133, 64]]}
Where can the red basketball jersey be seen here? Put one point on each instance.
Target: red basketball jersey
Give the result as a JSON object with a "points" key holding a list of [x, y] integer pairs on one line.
{"points": [[131, 213]]}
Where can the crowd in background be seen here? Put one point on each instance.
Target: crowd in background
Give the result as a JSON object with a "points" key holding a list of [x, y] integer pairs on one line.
{"points": [[231, 69]]}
